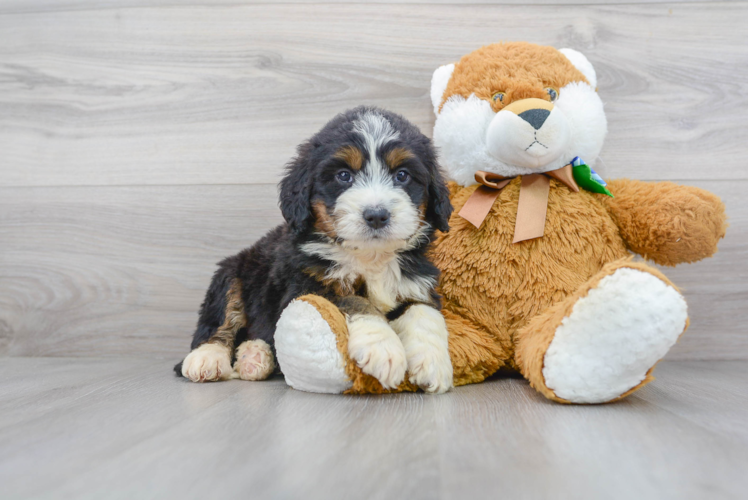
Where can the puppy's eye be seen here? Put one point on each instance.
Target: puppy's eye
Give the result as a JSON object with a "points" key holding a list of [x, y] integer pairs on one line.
{"points": [[499, 96], [344, 176], [402, 176], [552, 93]]}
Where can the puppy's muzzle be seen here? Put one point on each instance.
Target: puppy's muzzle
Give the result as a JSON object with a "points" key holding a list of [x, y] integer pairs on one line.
{"points": [[376, 218]]}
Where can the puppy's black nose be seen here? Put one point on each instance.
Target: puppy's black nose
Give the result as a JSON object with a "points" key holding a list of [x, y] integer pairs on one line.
{"points": [[535, 117], [376, 217]]}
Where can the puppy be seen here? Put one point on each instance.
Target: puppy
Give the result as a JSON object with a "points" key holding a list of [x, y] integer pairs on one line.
{"points": [[361, 200]]}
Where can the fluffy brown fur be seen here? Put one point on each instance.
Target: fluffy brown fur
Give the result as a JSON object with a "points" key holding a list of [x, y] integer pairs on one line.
{"points": [[667, 223], [499, 285], [499, 68]]}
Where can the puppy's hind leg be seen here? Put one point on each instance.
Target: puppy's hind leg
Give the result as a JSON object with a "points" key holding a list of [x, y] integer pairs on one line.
{"points": [[210, 359], [254, 360]]}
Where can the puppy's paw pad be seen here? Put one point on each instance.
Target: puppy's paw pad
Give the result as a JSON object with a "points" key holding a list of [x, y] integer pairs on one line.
{"points": [[377, 350], [207, 363], [254, 360]]}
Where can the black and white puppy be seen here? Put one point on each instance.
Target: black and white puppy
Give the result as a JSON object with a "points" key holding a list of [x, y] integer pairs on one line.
{"points": [[361, 201]]}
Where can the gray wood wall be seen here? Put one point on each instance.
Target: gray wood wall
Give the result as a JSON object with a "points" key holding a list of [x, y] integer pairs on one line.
{"points": [[141, 140]]}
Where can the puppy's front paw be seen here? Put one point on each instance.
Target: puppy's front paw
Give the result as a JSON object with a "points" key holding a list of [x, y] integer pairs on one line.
{"points": [[207, 363], [424, 335], [429, 368], [377, 350]]}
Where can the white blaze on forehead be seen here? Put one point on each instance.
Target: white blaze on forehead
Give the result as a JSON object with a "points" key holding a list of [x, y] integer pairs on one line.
{"points": [[376, 131], [373, 187]]}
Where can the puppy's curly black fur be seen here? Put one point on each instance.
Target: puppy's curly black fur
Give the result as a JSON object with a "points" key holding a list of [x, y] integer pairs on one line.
{"points": [[374, 151]]}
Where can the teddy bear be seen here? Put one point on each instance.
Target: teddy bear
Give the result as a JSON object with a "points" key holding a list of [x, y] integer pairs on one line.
{"points": [[537, 274]]}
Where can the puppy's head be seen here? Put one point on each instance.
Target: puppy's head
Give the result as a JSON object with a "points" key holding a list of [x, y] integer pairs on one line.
{"points": [[368, 179]]}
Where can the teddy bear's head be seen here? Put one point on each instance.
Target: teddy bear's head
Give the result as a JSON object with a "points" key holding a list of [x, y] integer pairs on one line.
{"points": [[514, 109]]}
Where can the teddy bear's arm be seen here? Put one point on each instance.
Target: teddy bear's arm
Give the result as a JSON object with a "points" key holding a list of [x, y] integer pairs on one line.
{"points": [[665, 222]]}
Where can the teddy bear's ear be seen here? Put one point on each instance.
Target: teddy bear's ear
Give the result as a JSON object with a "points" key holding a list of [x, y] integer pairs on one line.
{"points": [[439, 82], [582, 64]]}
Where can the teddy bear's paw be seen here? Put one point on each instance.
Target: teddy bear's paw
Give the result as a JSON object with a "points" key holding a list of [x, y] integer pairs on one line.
{"points": [[424, 335], [208, 363], [377, 350], [254, 360], [307, 349], [613, 337]]}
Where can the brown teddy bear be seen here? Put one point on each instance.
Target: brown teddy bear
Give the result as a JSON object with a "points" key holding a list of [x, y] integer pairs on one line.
{"points": [[537, 274]]}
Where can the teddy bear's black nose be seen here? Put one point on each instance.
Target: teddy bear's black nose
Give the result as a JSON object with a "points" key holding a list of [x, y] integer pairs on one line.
{"points": [[535, 117]]}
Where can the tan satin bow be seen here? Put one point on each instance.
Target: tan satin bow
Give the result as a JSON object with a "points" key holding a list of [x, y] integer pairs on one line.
{"points": [[533, 200]]}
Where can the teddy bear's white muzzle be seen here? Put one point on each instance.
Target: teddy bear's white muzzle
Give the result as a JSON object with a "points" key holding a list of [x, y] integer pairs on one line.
{"points": [[528, 136]]}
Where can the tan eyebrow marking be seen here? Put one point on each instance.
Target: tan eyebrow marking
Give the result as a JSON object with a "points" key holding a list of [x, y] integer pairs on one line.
{"points": [[352, 156], [396, 156]]}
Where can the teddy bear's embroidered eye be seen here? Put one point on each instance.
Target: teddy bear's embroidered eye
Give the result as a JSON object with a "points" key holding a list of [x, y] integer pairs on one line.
{"points": [[499, 96], [552, 93]]}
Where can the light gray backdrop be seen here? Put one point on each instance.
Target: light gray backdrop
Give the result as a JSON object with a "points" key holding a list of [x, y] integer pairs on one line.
{"points": [[141, 140]]}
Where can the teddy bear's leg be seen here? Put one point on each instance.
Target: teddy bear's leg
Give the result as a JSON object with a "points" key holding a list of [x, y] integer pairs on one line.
{"points": [[311, 343], [602, 342], [474, 352], [306, 344]]}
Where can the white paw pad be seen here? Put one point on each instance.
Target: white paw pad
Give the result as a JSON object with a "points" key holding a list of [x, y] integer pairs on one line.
{"points": [[377, 350], [254, 360], [207, 363], [613, 336]]}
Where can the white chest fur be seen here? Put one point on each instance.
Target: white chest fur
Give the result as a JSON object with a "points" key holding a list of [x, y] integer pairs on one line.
{"points": [[380, 269]]}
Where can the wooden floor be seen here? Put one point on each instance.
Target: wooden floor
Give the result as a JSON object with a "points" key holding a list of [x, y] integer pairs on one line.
{"points": [[127, 428]]}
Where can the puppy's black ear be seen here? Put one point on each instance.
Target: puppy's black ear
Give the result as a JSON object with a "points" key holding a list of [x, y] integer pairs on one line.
{"points": [[296, 190], [439, 208]]}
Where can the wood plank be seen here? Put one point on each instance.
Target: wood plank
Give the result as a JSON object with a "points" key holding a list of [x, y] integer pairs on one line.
{"points": [[128, 429], [513, 430], [94, 271], [24, 7], [119, 270], [697, 391], [223, 94], [281, 442]]}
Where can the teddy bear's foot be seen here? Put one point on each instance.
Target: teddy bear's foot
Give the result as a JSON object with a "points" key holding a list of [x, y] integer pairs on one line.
{"points": [[613, 337], [306, 346], [254, 360], [601, 343]]}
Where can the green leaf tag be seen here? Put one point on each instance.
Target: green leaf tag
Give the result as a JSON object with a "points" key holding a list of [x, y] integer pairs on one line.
{"points": [[587, 178]]}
